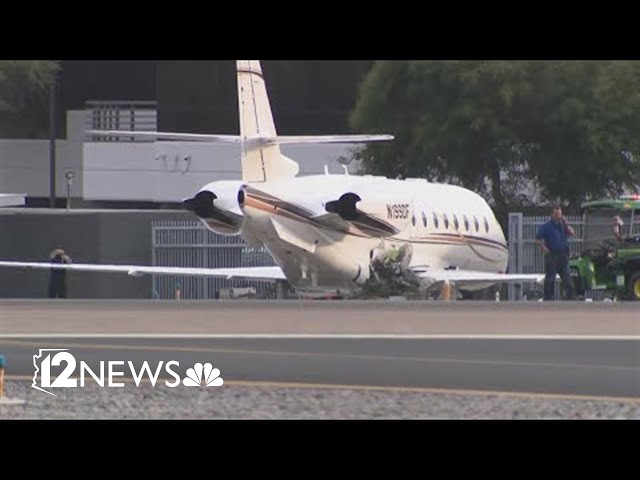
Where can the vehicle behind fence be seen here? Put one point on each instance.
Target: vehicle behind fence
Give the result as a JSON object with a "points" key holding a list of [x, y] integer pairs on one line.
{"points": [[525, 256]]}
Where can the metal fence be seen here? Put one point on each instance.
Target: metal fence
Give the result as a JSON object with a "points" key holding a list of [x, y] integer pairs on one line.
{"points": [[526, 257], [190, 244]]}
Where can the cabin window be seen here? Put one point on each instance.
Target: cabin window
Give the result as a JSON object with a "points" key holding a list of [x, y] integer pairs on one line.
{"points": [[486, 224], [456, 223], [466, 223], [424, 219], [436, 222], [445, 219], [476, 223], [413, 220]]}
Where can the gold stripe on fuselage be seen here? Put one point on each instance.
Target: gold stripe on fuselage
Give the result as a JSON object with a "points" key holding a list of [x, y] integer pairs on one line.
{"points": [[266, 204]]}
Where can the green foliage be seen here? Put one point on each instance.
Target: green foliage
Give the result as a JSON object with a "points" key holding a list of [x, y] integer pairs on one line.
{"points": [[23, 81], [390, 275], [587, 125], [569, 130]]}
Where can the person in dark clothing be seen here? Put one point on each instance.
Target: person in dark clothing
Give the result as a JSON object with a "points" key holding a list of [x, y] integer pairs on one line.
{"points": [[552, 238], [58, 277]]}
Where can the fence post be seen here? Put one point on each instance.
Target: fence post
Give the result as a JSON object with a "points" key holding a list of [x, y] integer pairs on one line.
{"points": [[154, 286], [515, 252]]}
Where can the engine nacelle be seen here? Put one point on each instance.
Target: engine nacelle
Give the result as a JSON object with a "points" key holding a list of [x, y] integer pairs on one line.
{"points": [[380, 217], [216, 205]]}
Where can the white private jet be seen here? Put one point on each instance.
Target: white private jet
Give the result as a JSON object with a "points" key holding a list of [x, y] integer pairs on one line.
{"points": [[324, 230]]}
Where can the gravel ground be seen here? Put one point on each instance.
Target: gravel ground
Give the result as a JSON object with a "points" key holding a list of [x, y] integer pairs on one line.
{"points": [[243, 402]]}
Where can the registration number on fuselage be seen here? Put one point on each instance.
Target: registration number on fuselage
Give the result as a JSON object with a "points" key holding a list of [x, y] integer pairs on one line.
{"points": [[398, 211]]}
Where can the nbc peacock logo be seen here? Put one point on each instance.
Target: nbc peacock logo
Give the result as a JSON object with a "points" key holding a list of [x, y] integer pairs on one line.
{"points": [[203, 376]]}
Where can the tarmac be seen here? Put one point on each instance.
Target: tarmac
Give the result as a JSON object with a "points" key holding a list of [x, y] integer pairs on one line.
{"points": [[566, 349]]}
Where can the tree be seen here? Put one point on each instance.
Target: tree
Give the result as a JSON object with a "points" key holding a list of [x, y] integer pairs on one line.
{"points": [[21, 81], [509, 130], [24, 110], [586, 120]]}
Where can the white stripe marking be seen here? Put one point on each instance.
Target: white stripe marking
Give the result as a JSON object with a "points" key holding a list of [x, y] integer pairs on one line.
{"points": [[321, 336]]}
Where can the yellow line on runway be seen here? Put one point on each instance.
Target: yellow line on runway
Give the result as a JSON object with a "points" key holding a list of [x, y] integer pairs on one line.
{"points": [[169, 348], [400, 389]]}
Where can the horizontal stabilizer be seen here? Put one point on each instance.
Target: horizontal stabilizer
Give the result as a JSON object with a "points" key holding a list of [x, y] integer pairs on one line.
{"points": [[285, 140], [185, 137], [250, 142]]}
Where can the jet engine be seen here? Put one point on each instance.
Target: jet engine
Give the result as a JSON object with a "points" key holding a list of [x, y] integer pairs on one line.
{"points": [[216, 205], [379, 218]]}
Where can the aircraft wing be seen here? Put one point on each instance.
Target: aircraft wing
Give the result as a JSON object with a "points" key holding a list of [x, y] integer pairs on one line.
{"points": [[254, 273], [470, 276]]}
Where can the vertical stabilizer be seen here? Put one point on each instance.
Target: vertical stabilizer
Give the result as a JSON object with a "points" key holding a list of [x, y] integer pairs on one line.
{"points": [[260, 162]]}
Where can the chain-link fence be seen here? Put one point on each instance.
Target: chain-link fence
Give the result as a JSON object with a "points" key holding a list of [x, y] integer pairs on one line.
{"points": [[189, 244]]}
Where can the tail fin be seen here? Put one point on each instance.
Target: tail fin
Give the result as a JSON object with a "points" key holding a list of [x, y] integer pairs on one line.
{"points": [[260, 162]]}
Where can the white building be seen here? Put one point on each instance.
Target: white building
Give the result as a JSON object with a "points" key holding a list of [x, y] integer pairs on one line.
{"points": [[140, 171]]}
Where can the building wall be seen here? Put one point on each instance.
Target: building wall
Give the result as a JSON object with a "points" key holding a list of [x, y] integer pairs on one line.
{"points": [[172, 171], [136, 171], [88, 236], [24, 167], [24, 164]]}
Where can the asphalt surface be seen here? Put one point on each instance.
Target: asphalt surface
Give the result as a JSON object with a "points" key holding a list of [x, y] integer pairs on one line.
{"points": [[572, 348], [317, 317], [581, 367]]}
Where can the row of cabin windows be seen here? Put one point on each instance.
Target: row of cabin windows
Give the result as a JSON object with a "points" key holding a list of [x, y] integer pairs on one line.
{"points": [[456, 223]]}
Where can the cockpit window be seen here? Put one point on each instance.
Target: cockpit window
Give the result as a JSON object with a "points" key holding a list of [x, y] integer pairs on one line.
{"points": [[486, 224]]}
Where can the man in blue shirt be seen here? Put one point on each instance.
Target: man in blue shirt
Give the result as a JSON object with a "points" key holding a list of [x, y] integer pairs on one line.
{"points": [[552, 238]]}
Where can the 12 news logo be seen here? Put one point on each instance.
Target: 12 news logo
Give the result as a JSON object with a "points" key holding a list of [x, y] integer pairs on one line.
{"points": [[107, 375]]}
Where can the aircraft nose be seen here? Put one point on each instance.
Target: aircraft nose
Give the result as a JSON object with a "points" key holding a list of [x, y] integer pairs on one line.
{"points": [[201, 204]]}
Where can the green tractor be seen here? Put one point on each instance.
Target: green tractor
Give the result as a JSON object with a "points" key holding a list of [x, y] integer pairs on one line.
{"points": [[610, 257]]}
